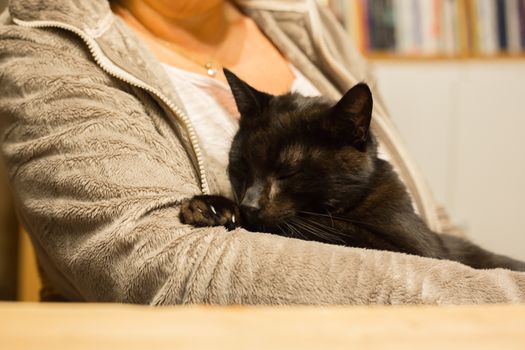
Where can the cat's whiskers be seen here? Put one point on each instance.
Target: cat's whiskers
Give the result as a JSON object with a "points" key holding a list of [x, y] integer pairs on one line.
{"points": [[288, 230], [300, 226], [317, 231], [294, 230], [338, 218], [327, 229], [319, 224]]}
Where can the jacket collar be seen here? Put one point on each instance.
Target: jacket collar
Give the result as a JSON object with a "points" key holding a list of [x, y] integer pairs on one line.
{"points": [[85, 15]]}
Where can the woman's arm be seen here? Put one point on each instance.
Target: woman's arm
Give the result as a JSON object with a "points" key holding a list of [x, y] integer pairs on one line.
{"points": [[98, 184]]}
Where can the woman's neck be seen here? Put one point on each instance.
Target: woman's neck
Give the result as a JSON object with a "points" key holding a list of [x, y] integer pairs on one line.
{"points": [[194, 24], [218, 33]]}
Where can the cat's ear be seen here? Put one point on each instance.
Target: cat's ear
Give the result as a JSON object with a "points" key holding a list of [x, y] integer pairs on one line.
{"points": [[249, 101], [353, 114]]}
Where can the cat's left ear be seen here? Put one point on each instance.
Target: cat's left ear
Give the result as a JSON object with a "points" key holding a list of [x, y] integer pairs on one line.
{"points": [[353, 114], [250, 102]]}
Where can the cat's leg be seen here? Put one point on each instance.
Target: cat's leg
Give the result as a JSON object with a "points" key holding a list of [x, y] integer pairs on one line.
{"points": [[458, 249], [209, 210]]}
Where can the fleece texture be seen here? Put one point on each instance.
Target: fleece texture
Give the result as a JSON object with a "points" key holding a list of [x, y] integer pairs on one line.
{"points": [[99, 169]]}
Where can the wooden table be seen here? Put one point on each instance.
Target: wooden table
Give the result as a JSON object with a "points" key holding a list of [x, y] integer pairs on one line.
{"points": [[96, 326]]}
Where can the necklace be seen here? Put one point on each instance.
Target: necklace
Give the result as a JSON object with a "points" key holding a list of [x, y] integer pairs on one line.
{"points": [[209, 65]]}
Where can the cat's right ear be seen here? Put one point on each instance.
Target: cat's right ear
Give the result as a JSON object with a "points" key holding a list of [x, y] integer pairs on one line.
{"points": [[250, 101], [352, 115]]}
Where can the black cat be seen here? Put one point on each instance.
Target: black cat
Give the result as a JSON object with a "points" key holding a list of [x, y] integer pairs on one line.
{"points": [[307, 168]]}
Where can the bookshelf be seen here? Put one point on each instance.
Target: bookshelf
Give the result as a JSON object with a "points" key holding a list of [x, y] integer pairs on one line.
{"points": [[434, 30], [390, 56]]}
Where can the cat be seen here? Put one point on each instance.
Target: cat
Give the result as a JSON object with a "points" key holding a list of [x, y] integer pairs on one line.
{"points": [[308, 168]]}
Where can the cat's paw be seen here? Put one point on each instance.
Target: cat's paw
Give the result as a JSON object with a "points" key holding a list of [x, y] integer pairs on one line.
{"points": [[210, 211]]}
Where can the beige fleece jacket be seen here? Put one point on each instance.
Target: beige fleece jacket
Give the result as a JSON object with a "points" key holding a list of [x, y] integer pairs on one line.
{"points": [[100, 153]]}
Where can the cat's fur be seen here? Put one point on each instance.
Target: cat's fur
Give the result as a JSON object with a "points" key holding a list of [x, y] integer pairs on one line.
{"points": [[308, 168]]}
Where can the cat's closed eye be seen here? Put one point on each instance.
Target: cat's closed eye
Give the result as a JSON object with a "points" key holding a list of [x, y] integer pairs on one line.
{"points": [[287, 173]]}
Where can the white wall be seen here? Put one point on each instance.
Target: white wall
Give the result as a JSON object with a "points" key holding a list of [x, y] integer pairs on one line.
{"points": [[464, 122]]}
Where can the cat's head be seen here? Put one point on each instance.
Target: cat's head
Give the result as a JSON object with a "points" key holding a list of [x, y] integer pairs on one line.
{"points": [[295, 154]]}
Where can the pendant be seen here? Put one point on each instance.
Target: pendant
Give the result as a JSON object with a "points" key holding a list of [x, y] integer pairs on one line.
{"points": [[212, 72]]}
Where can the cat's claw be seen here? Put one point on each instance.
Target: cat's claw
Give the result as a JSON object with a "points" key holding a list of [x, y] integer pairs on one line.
{"points": [[207, 210]]}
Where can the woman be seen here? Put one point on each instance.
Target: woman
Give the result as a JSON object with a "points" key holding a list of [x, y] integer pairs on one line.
{"points": [[100, 142]]}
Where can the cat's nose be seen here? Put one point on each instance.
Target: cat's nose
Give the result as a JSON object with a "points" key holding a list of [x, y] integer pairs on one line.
{"points": [[251, 204], [251, 197]]}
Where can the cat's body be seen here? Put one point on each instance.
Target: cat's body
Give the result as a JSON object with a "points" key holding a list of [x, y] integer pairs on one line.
{"points": [[307, 168]]}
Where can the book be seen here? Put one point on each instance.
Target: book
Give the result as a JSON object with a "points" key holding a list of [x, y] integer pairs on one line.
{"points": [[383, 18], [502, 24], [430, 12], [467, 19], [489, 29], [381, 25], [417, 25], [404, 32], [513, 26], [521, 10], [450, 36]]}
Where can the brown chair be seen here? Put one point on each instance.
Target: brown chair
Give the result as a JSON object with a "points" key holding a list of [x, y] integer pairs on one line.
{"points": [[29, 283]]}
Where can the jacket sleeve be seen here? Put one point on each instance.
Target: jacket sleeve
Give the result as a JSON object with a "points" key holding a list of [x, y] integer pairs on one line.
{"points": [[98, 184]]}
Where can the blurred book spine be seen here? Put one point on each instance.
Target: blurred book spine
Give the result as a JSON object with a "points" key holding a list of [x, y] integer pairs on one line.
{"points": [[453, 28]]}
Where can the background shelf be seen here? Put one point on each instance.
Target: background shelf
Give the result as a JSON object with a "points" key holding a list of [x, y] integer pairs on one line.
{"points": [[434, 29]]}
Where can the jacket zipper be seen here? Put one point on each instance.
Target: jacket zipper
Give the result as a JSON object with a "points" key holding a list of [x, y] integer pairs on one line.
{"points": [[117, 72]]}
